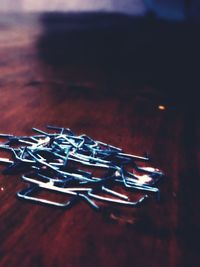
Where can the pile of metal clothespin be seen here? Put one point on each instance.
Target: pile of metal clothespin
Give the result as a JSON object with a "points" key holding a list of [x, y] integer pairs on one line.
{"points": [[61, 161]]}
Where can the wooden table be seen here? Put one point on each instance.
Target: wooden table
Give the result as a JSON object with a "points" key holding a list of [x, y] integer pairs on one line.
{"points": [[104, 75]]}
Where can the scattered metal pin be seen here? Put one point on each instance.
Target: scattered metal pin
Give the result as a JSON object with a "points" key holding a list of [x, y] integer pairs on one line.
{"points": [[48, 157]]}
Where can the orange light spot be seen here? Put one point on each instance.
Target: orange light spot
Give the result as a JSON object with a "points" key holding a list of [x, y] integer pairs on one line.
{"points": [[161, 107]]}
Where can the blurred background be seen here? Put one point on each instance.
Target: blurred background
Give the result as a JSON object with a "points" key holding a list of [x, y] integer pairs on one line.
{"points": [[169, 9], [141, 43], [132, 43]]}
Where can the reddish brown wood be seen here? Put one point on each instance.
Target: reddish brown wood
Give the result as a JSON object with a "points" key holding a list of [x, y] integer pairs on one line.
{"points": [[106, 101]]}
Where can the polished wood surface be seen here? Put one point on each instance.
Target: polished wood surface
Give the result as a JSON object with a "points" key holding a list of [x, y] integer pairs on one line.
{"points": [[103, 75]]}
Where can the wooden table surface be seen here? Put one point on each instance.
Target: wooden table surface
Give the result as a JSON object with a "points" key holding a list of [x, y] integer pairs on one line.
{"points": [[103, 75]]}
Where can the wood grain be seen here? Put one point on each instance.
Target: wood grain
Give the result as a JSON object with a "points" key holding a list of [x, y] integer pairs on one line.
{"points": [[59, 70]]}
